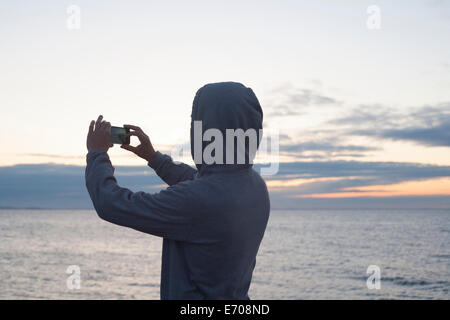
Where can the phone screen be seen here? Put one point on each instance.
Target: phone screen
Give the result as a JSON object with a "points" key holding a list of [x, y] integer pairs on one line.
{"points": [[118, 135]]}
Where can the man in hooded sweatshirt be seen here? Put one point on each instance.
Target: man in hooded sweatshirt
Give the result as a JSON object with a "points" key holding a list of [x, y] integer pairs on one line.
{"points": [[212, 219]]}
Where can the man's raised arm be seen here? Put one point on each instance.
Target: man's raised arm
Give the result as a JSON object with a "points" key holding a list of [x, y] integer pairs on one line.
{"points": [[163, 165], [171, 172], [162, 214]]}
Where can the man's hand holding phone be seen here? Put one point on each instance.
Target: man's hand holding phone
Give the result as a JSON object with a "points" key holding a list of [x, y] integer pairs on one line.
{"points": [[101, 136], [98, 137], [145, 149]]}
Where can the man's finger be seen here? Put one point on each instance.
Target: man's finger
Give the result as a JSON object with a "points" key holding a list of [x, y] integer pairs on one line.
{"points": [[104, 126], [91, 127], [99, 121], [128, 147], [129, 126]]}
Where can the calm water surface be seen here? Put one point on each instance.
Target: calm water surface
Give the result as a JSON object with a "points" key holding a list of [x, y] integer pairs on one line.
{"points": [[304, 255]]}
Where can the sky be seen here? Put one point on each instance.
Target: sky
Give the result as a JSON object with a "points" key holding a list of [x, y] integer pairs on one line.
{"points": [[363, 114]]}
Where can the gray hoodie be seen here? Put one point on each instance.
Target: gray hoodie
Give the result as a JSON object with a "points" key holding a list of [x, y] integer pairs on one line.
{"points": [[212, 219]]}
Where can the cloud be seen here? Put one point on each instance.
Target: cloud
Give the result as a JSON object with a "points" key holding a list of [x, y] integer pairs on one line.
{"points": [[322, 149], [427, 125], [364, 115], [437, 136], [49, 155], [378, 172], [308, 97], [323, 146], [285, 111], [64, 156], [63, 186], [288, 101], [313, 178]]}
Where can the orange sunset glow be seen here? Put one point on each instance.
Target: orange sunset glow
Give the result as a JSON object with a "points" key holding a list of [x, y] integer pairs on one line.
{"points": [[431, 187]]}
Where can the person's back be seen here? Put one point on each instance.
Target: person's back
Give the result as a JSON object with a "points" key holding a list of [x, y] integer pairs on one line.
{"points": [[212, 219], [217, 260]]}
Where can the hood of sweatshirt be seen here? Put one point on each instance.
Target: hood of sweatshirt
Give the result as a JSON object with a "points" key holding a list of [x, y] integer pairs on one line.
{"points": [[222, 106]]}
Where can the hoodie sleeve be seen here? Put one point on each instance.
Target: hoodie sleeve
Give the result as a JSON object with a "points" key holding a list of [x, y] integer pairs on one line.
{"points": [[163, 214], [169, 171]]}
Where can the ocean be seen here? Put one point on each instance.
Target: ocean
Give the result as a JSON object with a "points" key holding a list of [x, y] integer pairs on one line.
{"points": [[305, 254]]}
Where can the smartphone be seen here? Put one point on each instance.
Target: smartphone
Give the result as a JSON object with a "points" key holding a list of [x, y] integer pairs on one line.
{"points": [[118, 135]]}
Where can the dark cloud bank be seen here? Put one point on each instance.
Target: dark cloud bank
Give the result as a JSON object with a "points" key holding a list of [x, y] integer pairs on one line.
{"points": [[62, 186], [427, 125]]}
